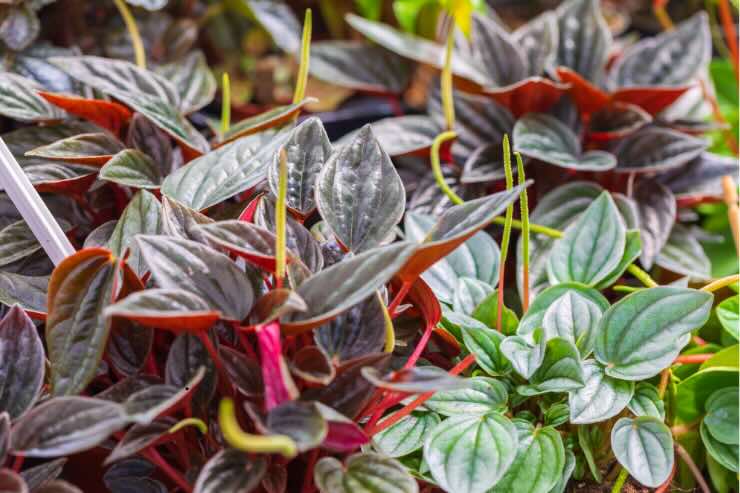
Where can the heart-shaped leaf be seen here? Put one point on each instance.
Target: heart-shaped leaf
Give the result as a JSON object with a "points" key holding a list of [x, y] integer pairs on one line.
{"points": [[546, 138], [646, 401], [21, 363], [359, 66], [224, 172], [575, 318], [672, 58], [19, 100], [724, 454], [638, 336], [230, 470], [132, 168], [307, 150], [357, 332], [141, 216], [66, 425], [656, 149], [657, 209], [363, 473], [539, 461], [484, 395], [109, 115], [722, 416], [592, 247], [644, 446], [185, 264], [193, 80], [171, 309], [585, 39], [477, 258], [470, 454], [80, 288], [406, 436], [601, 398], [343, 285], [560, 370], [359, 193], [92, 148], [683, 254]]}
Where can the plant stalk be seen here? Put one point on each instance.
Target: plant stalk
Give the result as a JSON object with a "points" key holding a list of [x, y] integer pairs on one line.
{"points": [[524, 210], [225, 104], [448, 105], [302, 78], [280, 219], [507, 235], [692, 467], [133, 31], [621, 479], [721, 283], [729, 191]]}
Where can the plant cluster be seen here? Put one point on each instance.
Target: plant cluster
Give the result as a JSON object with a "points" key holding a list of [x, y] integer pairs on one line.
{"points": [[253, 307]]}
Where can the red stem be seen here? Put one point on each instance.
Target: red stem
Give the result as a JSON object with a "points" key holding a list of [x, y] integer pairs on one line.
{"points": [[308, 477], [420, 346], [663, 488], [687, 359], [222, 374], [153, 456], [402, 292], [728, 25], [18, 463]]}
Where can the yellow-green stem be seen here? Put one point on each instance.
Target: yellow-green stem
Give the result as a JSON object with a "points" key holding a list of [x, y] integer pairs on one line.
{"points": [[225, 103], [196, 422], [302, 79], [133, 31], [721, 283], [642, 276], [280, 218], [246, 442], [623, 475], [507, 234], [437, 166], [448, 104], [524, 208]]}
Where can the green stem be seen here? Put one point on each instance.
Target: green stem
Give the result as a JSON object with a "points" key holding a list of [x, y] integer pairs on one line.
{"points": [[623, 475], [507, 234], [302, 79], [446, 81], [437, 167], [642, 276], [524, 208], [133, 31], [280, 219], [225, 104]]}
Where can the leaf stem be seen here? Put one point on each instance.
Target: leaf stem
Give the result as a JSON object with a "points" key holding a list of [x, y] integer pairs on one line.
{"points": [[302, 78], [524, 209], [225, 104], [507, 234], [688, 359], [728, 25], [692, 467], [280, 219], [437, 167], [623, 475], [642, 276], [448, 104], [154, 457], [721, 283], [662, 14], [133, 31]]}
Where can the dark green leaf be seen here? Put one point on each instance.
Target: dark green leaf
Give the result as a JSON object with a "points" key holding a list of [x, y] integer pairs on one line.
{"points": [[647, 402], [575, 318], [91, 148], [230, 470], [193, 80], [483, 396], [726, 455], [19, 100], [601, 398], [141, 216], [683, 254], [525, 355], [487, 312], [632, 249], [644, 446], [184, 264], [585, 39], [66, 425], [470, 454], [483, 342], [363, 473], [180, 221], [21, 363], [641, 334], [560, 370], [406, 436], [722, 416], [132, 168], [359, 193]]}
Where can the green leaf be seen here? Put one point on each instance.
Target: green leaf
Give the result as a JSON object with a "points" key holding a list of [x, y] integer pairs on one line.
{"points": [[141, 216], [592, 247], [483, 342], [534, 317], [641, 334], [132, 168], [363, 473], [656, 149], [80, 288], [400, 135], [644, 446], [570, 466], [469, 294], [722, 416], [359, 66], [470, 454], [193, 80], [693, 392], [601, 398], [301, 421], [683, 254], [728, 313], [647, 402], [484, 395], [476, 258], [183, 264], [90, 148], [19, 100], [359, 193], [307, 149], [230, 470], [560, 370], [539, 463], [27, 291], [66, 425], [632, 249], [575, 318], [346, 283], [17, 242], [224, 172], [407, 435], [547, 139], [726, 455], [487, 312], [21, 364], [525, 356]]}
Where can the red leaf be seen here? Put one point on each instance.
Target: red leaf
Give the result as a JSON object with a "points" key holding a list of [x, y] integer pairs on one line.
{"points": [[587, 96], [109, 115], [72, 186], [651, 99], [344, 437], [279, 386], [533, 94]]}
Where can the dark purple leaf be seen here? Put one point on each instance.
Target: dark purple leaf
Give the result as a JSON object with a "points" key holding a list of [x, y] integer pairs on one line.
{"points": [[4, 435], [656, 205], [139, 437], [357, 332], [700, 176], [538, 38], [91, 148], [311, 364], [180, 221], [37, 476], [301, 421], [343, 435], [21, 363], [186, 357], [656, 149], [497, 52], [230, 470], [193, 80], [415, 380], [616, 121], [585, 39], [245, 373]]}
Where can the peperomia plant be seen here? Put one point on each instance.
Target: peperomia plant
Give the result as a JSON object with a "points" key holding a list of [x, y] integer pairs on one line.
{"points": [[253, 307]]}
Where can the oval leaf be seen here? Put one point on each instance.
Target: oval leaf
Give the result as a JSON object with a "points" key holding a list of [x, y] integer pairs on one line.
{"points": [[601, 398], [21, 363], [644, 446]]}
